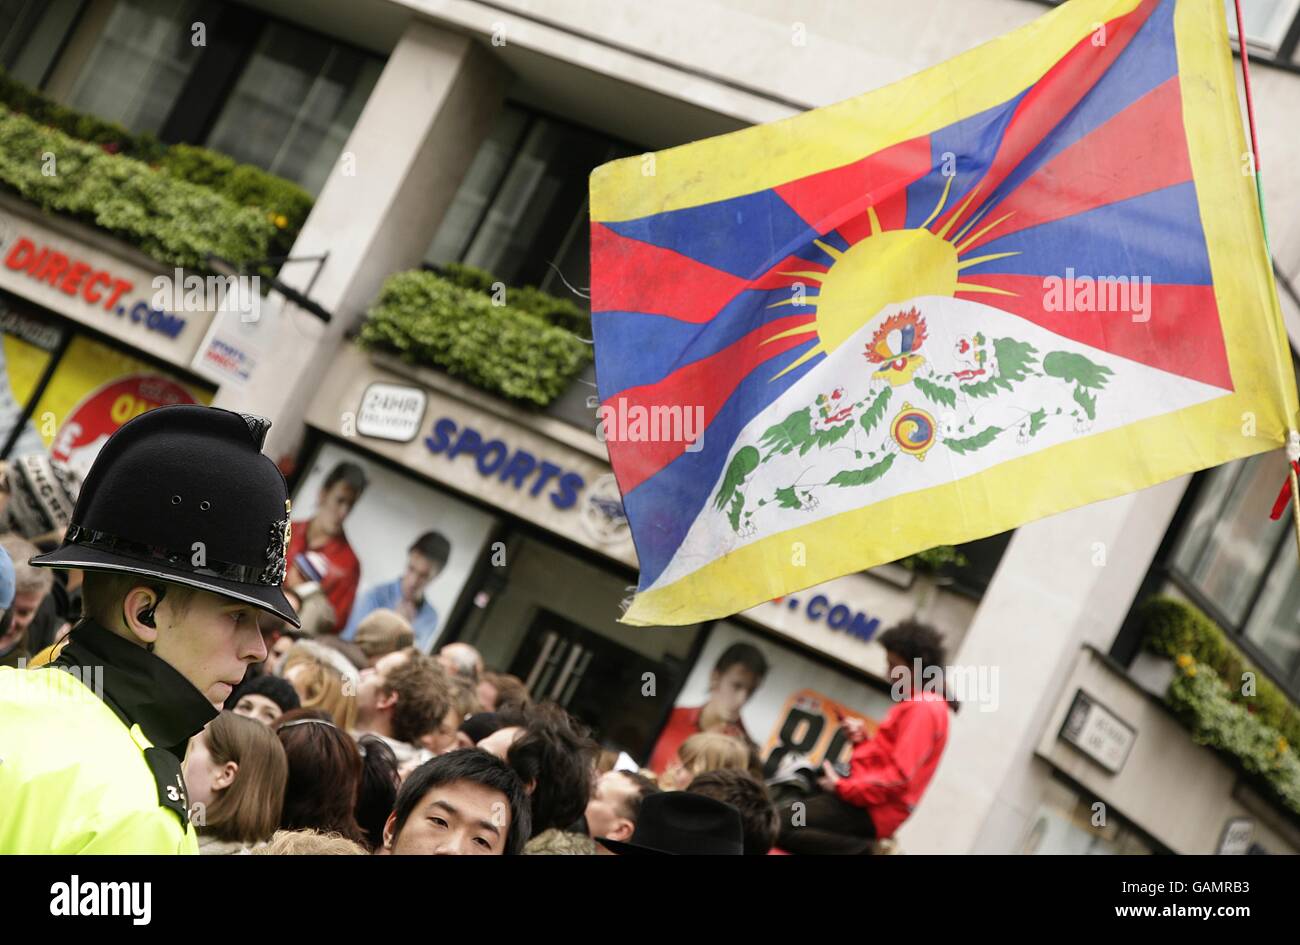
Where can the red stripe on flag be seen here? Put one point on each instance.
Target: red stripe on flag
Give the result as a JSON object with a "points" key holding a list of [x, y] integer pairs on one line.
{"points": [[1140, 150], [1181, 335], [892, 214], [639, 277], [706, 383], [773, 278], [874, 180], [1053, 96]]}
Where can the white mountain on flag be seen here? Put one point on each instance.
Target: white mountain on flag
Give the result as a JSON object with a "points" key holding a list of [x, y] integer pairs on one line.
{"points": [[928, 392]]}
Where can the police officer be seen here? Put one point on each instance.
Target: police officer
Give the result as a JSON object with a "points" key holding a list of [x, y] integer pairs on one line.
{"points": [[181, 528]]}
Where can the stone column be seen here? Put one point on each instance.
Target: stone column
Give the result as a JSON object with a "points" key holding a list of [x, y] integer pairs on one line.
{"points": [[1064, 581], [432, 107]]}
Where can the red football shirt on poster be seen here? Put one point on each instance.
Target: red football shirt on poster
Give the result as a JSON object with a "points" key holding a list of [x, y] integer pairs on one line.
{"points": [[340, 584], [682, 724]]}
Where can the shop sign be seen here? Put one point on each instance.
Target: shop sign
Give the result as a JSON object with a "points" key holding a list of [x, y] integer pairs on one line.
{"points": [[1238, 833], [92, 285], [840, 617], [391, 412], [495, 459], [1098, 733]]}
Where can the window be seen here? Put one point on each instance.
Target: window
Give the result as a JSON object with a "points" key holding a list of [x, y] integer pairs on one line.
{"points": [[1266, 22], [1241, 566], [522, 208], [295, 104], [1066, 823], [140, 64], [31, 32]]}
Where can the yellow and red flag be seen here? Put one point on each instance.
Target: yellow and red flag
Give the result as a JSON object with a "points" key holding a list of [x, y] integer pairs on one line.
{"points": [[1026, 279]]}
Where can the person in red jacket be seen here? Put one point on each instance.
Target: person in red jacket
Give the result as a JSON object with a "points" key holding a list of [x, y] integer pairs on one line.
{"points": [[888, 772], [323, 533]]}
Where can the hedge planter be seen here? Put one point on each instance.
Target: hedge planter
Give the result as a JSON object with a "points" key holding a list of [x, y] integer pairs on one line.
{"points": [[427, 319]]}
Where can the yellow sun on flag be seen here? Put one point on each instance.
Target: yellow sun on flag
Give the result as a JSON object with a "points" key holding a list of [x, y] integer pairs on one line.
{"points": [[886, 267]]}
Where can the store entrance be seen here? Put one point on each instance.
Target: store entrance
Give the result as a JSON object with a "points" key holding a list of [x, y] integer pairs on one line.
{"points": [[551, 618], [594, 678]]}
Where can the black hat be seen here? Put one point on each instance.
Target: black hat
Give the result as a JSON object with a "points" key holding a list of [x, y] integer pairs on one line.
{"points": [[277, 689], [184, 494], [481, 724], [675, 822]]}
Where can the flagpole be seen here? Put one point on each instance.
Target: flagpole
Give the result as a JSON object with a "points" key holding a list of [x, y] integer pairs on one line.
{"points": [[1293, 437]]}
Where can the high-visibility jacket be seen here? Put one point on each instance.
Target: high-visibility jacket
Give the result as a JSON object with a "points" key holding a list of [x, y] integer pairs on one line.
{"points": [[79, 774]]}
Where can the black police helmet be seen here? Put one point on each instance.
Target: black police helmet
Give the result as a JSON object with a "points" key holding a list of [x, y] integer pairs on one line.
{"points": [[184, 494]]}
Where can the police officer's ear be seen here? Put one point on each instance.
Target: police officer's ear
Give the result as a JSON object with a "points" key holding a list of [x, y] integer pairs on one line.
{"points": [[139, 614]]}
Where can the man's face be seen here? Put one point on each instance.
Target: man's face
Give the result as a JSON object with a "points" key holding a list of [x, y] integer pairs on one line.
{"points": [[609, 799], [730, 691], [447, 736], [333, 507], [279, 650], [210, 643], [24, 609], [457, 819], [419, 572], [259, 708], [373, 697], [900, 669], [499, 742]]}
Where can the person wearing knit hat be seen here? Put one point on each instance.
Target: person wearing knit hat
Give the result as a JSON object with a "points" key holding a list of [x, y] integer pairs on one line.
{"points": [[264, 698]]}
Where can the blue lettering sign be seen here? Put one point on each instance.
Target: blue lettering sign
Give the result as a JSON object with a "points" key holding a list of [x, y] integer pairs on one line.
{"points": [[494, 458]]}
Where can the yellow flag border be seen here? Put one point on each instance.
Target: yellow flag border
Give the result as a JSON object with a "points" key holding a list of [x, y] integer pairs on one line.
{"points": [[811, 142], [1071, 474]]}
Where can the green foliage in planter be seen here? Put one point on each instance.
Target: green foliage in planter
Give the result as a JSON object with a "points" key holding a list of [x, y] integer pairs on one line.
{"points": [[469, 277], [428, 319], [173, 221], [1175, 628], [935, 559], [1204, 704], [111, 136], [284, 203], [562, 313]]}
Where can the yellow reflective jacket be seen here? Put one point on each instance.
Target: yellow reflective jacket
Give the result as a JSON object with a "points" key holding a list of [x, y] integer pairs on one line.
{"points": [[78, 774]]}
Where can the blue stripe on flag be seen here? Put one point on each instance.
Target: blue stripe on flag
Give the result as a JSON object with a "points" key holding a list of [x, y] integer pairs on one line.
{"points": [[1157, 235], [663, 508]]}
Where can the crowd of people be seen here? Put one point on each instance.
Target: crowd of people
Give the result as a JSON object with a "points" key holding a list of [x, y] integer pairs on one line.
{"points": [[369, 742]]}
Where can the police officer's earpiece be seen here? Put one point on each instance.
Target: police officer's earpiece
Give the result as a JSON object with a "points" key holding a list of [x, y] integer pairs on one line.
{"points": [[146, 616]]}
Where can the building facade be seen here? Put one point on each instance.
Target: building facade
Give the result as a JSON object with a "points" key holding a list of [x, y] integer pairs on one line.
{"points": [[433, 133]]}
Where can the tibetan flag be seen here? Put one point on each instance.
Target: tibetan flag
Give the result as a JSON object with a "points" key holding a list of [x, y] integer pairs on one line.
{"points": [[1026, 279]]}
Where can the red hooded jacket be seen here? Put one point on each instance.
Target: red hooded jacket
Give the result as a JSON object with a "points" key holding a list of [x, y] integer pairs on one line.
{"points": [[891, 770]]}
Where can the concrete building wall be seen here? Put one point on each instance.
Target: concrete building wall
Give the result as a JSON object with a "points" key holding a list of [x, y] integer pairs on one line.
{"points": [[399, 170]]}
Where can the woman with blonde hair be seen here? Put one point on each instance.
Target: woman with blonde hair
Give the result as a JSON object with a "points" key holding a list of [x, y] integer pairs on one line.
{"points": [[235, 773], [323, 679], [704, 751]]}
